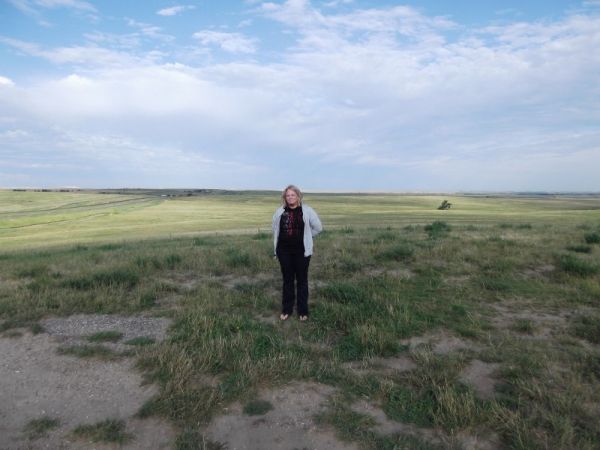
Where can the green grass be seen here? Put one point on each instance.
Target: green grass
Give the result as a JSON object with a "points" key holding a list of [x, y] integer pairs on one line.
{"points": [[105, 336], [140, 341], [38, 428], [109, 431], [388, 269]]}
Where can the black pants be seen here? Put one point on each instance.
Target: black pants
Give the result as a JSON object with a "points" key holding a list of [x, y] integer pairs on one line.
{"points": [[294, 266]]}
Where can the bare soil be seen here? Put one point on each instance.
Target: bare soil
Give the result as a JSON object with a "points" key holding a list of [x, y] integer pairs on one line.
{"points": [[37, 382], [289, 425]]}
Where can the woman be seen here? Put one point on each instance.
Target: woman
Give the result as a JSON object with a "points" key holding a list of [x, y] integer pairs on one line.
{"points": [[294, 226]]}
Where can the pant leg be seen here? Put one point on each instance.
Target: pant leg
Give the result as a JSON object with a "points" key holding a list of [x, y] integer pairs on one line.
{"points": [[301, 266], [286, 261]]}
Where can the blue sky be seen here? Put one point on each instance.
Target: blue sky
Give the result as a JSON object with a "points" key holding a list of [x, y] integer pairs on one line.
{"points": [[330, 95]]}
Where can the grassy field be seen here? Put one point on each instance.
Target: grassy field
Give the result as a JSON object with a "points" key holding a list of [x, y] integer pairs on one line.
{"points": [[513, 282]]}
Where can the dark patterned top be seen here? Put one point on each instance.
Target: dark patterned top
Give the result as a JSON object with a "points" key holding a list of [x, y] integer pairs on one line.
{"points": [[291, 230]]}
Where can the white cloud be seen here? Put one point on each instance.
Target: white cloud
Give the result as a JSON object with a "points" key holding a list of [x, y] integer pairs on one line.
{"points": [[150, 30], [75, 4], [174, 10], [230, 42], [4, 81]]}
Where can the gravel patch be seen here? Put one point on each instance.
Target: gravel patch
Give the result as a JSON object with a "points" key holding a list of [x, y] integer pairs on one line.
{"points": [[73, 330]]}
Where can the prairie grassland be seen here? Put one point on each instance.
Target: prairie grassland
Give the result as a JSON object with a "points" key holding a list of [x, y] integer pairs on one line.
{"points": [[509, 285], [37, 219]]}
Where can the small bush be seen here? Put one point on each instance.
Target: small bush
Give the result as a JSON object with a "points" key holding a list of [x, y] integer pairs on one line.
{"points": [[257, 407], [580, 248], [445, 205], [437, 229], [592, 238]]}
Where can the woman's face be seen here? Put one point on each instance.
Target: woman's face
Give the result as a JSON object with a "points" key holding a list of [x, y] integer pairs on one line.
{"points": [[291, 198]]}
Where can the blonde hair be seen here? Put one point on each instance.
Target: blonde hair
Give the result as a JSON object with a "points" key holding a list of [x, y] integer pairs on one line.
{"points": [[296, 190]]}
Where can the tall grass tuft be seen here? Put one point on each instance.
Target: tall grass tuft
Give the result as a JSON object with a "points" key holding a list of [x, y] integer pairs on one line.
{"points": [[437, 229], [124, 277], [592, 238], [576, 266]]}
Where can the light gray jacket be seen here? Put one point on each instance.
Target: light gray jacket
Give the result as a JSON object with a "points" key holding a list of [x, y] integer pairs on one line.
{"points": [[312, 227]]}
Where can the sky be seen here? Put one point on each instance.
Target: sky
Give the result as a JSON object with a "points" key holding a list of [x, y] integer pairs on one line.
{"points": [[335, 95]]}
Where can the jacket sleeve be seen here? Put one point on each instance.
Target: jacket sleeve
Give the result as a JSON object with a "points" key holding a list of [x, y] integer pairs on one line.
{"points": [[274, 224], [315, 223]]}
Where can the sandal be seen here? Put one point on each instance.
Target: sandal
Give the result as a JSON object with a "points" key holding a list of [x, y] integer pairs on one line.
{"points": [[283, 317], [303, 318]]}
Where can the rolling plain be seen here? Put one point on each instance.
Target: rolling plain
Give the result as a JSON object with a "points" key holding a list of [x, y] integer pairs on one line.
{"points": [[476, 327]]}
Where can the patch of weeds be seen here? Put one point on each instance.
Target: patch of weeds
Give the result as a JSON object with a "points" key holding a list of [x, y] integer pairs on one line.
{"points": [[587, 327], [505, 225], [524, 226], [257, 407], [437, 229], [38, 428], [172, 261], [13, 323], [106, 247], [580, 248], [576, 266], [590, 367], [234, 257], [12, 334], [116, 277], [405, 404], [33, 272], [592, 238], [495, 284], [193, 439], [105, 336], [201, 241], [140, 341], [346, 230], [523, 326], [400, 252], [350, 265], [148, 299], [351, 425], [344, 293], [109, 430], [385, 236], [80, 248], [88, 351], [261, 236]]}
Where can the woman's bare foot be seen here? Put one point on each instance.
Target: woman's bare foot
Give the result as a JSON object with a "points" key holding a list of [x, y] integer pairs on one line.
{"points": [[284, 316], [303, 318]]}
